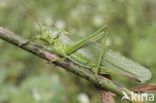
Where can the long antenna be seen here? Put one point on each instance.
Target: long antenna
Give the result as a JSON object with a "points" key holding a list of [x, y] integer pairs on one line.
{"points": [[30, 13]]}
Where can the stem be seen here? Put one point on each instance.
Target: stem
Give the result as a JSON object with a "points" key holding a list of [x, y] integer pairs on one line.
{"points": [[67, 64]]}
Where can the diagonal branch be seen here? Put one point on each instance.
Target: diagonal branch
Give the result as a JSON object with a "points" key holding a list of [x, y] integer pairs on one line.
{"points": [[67, 64]]}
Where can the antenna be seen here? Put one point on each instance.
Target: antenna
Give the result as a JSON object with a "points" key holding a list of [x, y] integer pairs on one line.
{"points": [[29, 13]]}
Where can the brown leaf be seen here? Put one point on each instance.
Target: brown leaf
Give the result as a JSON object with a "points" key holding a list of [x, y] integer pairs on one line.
{"points": [[106, 95], [149, 88]]}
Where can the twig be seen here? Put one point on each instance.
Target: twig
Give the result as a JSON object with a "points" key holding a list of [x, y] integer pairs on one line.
{"points": [[67, 64]]}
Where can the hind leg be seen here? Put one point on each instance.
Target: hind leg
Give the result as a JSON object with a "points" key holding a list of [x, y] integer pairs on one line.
{"points": [[97, 67]]}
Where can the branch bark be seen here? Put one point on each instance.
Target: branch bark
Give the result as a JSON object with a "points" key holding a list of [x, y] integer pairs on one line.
{"points": [[105, 95], [67, 64]]}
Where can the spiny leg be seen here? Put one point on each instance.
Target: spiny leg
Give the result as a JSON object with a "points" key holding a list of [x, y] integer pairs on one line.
{"points": [[97, 67], [96, 35], [33, 39], [59, 59], [82, 42]]}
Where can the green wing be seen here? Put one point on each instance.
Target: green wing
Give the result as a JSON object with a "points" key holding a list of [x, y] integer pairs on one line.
{"points": [[125, 66]]}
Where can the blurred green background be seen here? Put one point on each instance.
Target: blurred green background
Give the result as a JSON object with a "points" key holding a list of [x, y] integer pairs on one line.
{"points": [[25, 78]]}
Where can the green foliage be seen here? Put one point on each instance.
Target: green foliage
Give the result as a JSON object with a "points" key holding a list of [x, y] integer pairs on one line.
{"points": [[132, 33], [40, 89]]}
